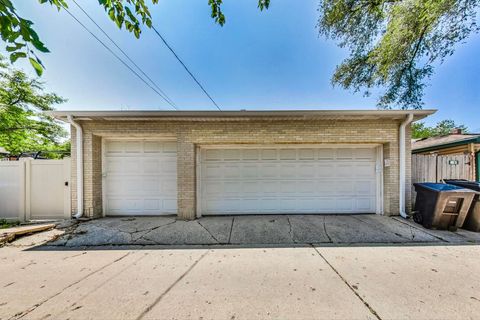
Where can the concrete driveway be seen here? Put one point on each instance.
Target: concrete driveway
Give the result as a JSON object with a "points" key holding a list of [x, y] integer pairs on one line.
{"points": [[260, 267], [280, 230], [327, 281]]}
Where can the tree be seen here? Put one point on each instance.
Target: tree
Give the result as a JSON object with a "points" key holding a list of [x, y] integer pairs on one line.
{"points": [[23, 125], [393, 44], [444, 127]]}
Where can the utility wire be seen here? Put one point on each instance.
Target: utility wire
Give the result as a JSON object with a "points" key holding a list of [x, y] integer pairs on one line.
{"points": [[120, 59], [123, 52], [186, 68]]}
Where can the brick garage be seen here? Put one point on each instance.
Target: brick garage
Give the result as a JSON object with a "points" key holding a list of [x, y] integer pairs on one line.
{"points": [[194, 132]]}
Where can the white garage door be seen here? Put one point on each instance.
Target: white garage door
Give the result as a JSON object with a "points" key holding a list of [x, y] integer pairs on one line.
{"points": [[140, 177], [288, 180]]}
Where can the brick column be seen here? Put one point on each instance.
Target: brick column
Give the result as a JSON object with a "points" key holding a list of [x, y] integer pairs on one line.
{"points": [[92, 182], [186, 178]]}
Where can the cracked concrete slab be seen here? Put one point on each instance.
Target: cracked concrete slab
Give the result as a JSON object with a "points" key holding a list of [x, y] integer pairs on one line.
{"points": [[180, 233], [218, 227], [308, 229], [255, 229], [350, 229], [95, 235], [261, 229], [402, 230], [443, 235]]}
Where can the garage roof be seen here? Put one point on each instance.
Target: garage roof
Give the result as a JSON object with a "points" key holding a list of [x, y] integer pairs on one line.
{"points": [[241, 114], [442, 142]]}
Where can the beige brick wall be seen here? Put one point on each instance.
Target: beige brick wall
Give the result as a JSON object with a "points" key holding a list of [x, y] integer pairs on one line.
{"points": [[193, 134]]}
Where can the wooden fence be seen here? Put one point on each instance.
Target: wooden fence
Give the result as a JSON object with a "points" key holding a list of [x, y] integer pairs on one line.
{"points": [[435, 168]]}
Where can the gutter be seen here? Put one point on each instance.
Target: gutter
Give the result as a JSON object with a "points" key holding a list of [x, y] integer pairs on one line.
{"points": [[402, 156], [79, 158]]}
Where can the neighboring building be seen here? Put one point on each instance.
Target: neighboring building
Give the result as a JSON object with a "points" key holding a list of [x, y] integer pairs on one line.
{"points": [[453, 144], [196, 163]]}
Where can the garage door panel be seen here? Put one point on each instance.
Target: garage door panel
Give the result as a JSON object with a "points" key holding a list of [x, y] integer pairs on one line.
{"points": [[288, 180], [326, 154], [232, 155], [365, 170], [306, 154], [141, 177], [344, 153], [288, 170], [114, 147], [268, 154], [344, 188], [365, 188], [326, 170], [344, 204], [133, 146], [344, 170], [367, 154], [232, 187], [288, 154], [365, 204], [268, 170], [213, 154]]}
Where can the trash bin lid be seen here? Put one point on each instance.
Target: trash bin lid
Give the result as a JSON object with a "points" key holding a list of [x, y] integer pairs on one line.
{"points": [[464, 183], [438, 186]]}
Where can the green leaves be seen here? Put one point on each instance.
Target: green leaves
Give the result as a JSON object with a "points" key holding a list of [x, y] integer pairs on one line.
{"points": [[22, 41], [14, 56], [36, 65], [394, 44], [129, 13], [444, 127], [23, 126], [219, 17], [19, 36]]}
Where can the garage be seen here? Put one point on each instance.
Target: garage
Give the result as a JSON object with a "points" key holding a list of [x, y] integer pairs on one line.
{"points": [[140, 177], [316, 179]]}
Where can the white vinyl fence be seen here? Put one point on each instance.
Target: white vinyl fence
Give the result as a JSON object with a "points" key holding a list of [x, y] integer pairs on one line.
{"points": [[35, 189]]}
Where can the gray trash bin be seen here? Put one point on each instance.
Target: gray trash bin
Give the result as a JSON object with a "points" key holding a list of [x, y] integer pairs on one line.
{"points": [[472, 221], [442, 206]]}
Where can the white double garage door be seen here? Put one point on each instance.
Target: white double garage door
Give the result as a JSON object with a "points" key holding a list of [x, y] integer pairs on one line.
{"points": [[141, 179]]}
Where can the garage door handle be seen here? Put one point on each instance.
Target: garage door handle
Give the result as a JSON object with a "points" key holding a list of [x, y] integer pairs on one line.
{"points": [[66, 183]]}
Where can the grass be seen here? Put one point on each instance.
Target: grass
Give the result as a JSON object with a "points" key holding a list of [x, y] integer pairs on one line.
{"points": [[8, 223]]}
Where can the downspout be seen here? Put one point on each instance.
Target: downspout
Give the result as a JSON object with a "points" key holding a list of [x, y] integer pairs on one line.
{"points": [[402, 174], [79, 145]]}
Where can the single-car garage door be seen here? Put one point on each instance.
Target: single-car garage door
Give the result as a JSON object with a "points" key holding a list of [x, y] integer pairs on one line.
{"points": [[319, 179], [140, 177]]}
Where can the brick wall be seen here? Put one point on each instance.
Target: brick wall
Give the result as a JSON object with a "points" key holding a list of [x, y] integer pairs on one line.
{"points": [[195, 133]]}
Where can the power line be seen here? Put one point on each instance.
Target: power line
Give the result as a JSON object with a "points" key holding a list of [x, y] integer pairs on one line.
{"points": [[120, 59], [183, 64], [123, 52]]}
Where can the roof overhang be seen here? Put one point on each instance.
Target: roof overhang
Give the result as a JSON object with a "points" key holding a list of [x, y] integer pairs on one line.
{"points": [[442, 146], [150, 115]]}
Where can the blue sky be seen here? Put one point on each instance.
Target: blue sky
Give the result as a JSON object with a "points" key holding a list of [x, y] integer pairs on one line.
{"points": [[259, 60]]}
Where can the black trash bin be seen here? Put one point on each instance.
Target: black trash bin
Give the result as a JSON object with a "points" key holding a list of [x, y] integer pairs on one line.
{"points": [[441, 206], [472, 221]]}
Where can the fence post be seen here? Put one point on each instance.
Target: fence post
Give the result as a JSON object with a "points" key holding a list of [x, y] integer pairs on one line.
{"points": [[27, 187], [22, 208], [67, 191]]}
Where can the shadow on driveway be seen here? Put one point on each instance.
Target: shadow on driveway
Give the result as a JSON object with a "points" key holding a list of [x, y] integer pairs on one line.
{"points": [[253, 231]]}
